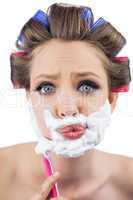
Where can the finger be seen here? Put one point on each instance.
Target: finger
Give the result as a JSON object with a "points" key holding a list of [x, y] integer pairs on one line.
{"points": [[37, 197], [48, 184], [58, 198]]}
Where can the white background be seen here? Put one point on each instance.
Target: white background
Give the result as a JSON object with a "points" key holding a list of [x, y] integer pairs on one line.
{"points": [[14, 120]]}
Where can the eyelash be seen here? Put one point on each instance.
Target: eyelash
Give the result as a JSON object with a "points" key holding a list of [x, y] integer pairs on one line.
{"points": [[88, 84]]}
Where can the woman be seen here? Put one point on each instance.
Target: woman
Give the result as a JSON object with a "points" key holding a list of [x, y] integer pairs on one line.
{"points": [[68, 66]]}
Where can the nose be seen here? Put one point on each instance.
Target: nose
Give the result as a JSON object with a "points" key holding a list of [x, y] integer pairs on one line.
{"points": [[67, 107], [63, 114]]}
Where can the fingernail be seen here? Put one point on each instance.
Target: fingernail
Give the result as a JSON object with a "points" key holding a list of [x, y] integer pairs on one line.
{"points": [[56, 174]]}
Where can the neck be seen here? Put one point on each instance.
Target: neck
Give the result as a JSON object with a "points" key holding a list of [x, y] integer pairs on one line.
{"points": [[79, 173], [75, 170]]}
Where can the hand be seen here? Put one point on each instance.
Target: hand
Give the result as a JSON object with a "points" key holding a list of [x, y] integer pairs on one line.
{"points": [[44, 191], [58, 198]]}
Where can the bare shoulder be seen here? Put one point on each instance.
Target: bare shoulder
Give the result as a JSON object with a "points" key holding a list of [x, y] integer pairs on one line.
{"points": [[122, 172], [126, 169], [10, 157], [19, 164], [6, 158], [120, 162], [124, 166], [9, 154]]}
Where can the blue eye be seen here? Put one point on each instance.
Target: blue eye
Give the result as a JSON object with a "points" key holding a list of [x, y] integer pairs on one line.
{"points": [[88, 86], [45, 88]]}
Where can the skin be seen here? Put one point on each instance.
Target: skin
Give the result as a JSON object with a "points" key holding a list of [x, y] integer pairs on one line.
{"points": [[96, 175]]}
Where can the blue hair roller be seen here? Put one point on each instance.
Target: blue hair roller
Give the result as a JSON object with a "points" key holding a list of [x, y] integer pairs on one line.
{"points": [[42, 17], [39, 16], [87, 15], [98, 23], [20, 39]]}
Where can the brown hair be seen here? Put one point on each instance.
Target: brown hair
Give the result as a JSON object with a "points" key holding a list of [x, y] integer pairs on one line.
{"points": [[66, 22]]}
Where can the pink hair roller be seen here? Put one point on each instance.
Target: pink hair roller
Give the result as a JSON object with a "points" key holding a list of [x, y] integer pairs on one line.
{"points": [[124, 88], [19, 54]]}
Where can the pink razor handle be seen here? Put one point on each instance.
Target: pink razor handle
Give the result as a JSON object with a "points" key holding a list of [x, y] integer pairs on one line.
{"points": [[49, 170]]}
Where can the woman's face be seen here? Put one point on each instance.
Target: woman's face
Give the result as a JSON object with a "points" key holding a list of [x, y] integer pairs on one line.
{"points": [[67, 78]]}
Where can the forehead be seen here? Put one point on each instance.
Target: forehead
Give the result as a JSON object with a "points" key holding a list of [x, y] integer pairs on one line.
{"points": [[57, 55]]}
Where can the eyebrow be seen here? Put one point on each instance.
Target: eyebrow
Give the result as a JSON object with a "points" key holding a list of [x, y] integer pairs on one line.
{"points": [[56, 76]]}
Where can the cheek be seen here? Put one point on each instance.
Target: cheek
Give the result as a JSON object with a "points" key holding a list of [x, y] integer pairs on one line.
{"points": [[41, 103], [35, 99], [40, 121], [92, 103]]}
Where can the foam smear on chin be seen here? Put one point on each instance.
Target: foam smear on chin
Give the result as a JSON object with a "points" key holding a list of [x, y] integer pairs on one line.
{"points": [[96, 122]]}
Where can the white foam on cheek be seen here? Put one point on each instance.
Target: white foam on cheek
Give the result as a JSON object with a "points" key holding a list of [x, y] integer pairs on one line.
{"points": [[96, 122]]}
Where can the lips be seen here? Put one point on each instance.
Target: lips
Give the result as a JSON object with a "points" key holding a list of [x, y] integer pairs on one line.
{"points": [[72, 131]]}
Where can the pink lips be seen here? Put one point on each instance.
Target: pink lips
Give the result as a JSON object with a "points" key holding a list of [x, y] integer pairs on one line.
{"points": [[72, 131]]}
